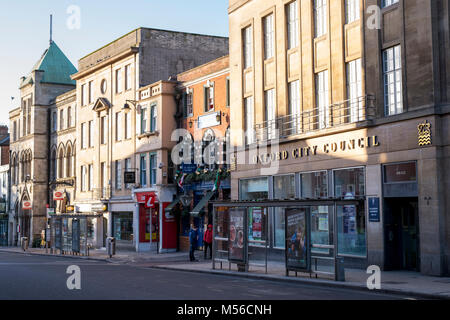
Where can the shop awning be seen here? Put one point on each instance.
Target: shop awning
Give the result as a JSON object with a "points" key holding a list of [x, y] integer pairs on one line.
{"points": [[173, 203], [202, 203]]}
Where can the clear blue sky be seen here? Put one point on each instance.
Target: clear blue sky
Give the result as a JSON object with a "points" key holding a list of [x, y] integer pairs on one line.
{"points": [[24, 26]]}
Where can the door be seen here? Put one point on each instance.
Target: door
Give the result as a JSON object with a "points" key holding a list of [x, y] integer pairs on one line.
{"points": [[402, 234]]}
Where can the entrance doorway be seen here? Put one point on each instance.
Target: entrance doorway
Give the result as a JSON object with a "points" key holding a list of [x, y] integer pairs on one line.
{"points": [[401, 231]]}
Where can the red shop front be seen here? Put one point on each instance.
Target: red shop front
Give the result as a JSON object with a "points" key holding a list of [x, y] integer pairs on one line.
{"points": [[163, 228]]}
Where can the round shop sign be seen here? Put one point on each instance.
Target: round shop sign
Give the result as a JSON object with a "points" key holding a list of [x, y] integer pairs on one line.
{"points": [[26, 205]]}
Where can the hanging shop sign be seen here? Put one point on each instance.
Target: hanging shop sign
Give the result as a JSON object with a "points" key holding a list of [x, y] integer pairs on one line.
{"points": [[70, 209], [51, 212], [129, 177], [58, 195], [314, 150], [27, 205]]}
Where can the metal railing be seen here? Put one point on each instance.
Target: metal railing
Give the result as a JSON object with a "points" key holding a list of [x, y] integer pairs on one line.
{"points": [[345, 112]]}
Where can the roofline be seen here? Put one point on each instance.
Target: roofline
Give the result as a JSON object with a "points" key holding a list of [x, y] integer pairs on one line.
{"points": [[205, 64], [146, 28]]}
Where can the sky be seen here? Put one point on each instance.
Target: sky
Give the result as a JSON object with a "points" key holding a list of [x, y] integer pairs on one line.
{"points": [[24, 30]]}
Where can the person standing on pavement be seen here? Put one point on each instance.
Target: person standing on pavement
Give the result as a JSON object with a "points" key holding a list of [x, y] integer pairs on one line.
{"points": [[207, 240], [193, 238]]}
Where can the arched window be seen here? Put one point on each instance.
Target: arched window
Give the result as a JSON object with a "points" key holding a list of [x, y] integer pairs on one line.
{"points": [[22, 168], [209, 140], [69, 162], [13, 169], [53, 165], [61, 164], [69, 117], [28, 164]]}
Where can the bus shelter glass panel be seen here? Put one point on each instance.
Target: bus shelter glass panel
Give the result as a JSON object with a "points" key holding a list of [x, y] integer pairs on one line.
{"points": [[297, 238], [67, 234], [237, 242], [322, 242], [258, 238], [351, 230], [221, 227]]}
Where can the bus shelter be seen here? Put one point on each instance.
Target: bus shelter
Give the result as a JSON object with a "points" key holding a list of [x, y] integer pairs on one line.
{"points": [[241, 235], [70, 233]]}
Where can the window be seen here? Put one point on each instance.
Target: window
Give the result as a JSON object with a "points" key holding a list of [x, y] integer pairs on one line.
{"points": [[351, 10], [387, 3], [127, 77], [314, 185], [269, 39], [294, 106], [61, 119], [104, 178], [69, 158], [91, 133], [284, 187], [61, 164], [153, 117], [54, 121], [248, 44], [349, 183], [208, 92], [292, 25], [320, 17], [118, 175], [69, 117], [189, 105], [118, 81], [14, 131], [254, 189], [143, 177], [83, 94], [83, 178], [153, 167], [91, 92], [143, 120], [118, 126], [270, 113], [103, 130], [127, 125], [228, 91], [83, 136], [29, 116], [53, 166], [354, 91], [351, 230], [392, 75], [322, 99], [103, 86], [248, 120], [91, 177], [128, 168]]}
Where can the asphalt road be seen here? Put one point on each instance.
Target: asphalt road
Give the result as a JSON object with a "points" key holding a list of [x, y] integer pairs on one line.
{"points": [[24, 276]]}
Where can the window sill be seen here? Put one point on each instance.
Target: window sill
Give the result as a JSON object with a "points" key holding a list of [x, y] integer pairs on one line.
{"points": [[148, 134]]}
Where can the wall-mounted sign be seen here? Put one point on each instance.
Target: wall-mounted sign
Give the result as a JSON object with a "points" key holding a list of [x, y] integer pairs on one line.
{"points": [[374, 209], [424, 134], [150, 200], [50, 212], [99, 207], [208, 120], [58, 195], [129, 177], [188, 167], [70, 209], [27, 205]]}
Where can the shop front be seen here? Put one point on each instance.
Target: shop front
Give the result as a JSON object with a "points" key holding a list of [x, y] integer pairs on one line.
{"points": [[156, 229], [396, 178]]}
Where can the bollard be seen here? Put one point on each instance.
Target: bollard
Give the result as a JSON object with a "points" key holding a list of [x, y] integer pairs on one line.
{"points": [[111, 246]]}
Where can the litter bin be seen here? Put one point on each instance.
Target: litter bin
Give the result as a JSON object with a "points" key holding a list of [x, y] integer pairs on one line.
{"points": [[24, 242], [111, 246], [339, 269]]}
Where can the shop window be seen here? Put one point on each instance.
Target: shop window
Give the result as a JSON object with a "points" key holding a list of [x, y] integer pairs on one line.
{"points": [[254, 189], [349, 183], [284, 187], [351, 228], [314, 185]]}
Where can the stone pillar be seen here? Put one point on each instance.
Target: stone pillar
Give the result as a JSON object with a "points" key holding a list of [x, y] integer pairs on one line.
{"points": [[375, 232], [431, 214]]}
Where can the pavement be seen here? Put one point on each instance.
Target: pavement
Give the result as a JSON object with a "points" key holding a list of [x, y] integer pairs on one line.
{"points": [[402, 283]]}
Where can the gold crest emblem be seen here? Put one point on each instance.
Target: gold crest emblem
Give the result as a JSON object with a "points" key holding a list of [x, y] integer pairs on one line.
{"points": [[424, 130]]}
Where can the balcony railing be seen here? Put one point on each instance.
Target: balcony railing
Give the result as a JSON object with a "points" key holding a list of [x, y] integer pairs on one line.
{"points": [[346, 112]]}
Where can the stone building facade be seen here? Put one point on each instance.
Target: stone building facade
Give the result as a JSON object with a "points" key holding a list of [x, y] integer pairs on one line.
{"points": [[107, 133], [30, 138], [347, 99]]}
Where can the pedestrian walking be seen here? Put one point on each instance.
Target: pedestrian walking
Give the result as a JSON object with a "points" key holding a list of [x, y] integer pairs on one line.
{"points": [[207, 240], [193, 239]]}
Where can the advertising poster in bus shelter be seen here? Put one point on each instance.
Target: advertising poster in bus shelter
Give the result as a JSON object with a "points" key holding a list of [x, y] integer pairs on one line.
{"points": [[236, 243], [58, 236], [296, 240], [255, 224]]}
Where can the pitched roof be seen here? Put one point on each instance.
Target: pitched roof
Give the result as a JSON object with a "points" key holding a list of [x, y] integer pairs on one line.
{"points": [[56, 66]]}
